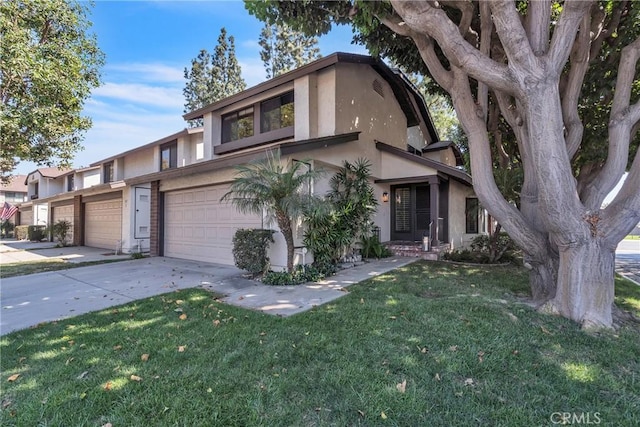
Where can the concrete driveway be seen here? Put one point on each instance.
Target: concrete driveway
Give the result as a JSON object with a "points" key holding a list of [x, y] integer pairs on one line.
{"points": [[43, 297]]}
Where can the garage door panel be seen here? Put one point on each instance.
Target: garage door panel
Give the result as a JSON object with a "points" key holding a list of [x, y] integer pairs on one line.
{"points": [[201, 228], [103, 224], [64, 213]]}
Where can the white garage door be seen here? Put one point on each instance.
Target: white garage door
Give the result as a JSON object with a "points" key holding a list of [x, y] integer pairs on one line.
{"points": [[103, 224], [200, 227], [26, 217], [64, 213]]}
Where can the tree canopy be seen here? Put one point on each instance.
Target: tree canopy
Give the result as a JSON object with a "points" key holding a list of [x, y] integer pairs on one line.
{"points": [[50, 63], [550, 87], [213, 76], [284, 49]]}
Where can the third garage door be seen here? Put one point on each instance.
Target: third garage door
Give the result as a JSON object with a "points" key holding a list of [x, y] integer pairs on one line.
{"points": [[201, 228], [103, 224], [64, 213]]}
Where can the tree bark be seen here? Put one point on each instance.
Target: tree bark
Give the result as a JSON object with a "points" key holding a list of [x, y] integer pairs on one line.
{"points": [[585, 291]]}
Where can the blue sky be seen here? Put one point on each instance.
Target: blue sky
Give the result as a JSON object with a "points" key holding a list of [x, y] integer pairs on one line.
{"points": [[147, 45]]}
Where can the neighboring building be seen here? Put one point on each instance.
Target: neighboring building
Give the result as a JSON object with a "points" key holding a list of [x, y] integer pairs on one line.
{"points": [[14, 193], [164, 197]]}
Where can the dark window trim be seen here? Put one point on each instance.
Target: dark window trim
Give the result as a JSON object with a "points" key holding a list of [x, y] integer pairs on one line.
{"points": [[469, 227], [70, 183], [173, 154], [255, 140], [107, 179], [255, 117], [279, 97]]}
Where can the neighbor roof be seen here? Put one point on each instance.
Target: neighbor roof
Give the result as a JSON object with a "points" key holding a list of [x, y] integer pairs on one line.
{"points": [[16, 184], [48, 172]]}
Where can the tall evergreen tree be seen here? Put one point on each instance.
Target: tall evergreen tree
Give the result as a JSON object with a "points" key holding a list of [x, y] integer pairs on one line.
{"points": [[284, 49], [212, 77]]}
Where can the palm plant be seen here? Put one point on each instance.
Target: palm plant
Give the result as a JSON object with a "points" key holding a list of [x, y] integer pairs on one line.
{"points": [[280, 190]]}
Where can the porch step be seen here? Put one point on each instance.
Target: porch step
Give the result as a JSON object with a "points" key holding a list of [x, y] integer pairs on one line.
{"points": [[414, 250]]}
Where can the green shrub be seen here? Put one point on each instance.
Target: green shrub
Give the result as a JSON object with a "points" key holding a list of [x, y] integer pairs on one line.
{"points": [[372, 248], [137, 255], [498, 247], [36, 233], [60, 231], [22, 232], [6, 228], [300, 275], [250, 249]]}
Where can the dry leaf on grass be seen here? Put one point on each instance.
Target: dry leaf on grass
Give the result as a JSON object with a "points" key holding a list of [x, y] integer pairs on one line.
{"points": [[135, 378], [469, 381], [216, 322], [402, 387], [183, 316], [144, 357], [117, 347], [108, 386], [360, 413], [383, 415], [13, 377], [181, 348], [107, 425]]}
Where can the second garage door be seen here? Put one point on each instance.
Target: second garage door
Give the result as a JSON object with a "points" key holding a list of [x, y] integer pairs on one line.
{"points": [[103, 224], [64, 213], [201, 228]]}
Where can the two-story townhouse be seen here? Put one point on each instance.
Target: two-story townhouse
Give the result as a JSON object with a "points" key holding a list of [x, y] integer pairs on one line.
{"points": [[341, 107], [164, 197], [41, 184]]}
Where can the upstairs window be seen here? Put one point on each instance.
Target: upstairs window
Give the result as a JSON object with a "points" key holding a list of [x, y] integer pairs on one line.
{"points": [[277, 113], [70, 183], [169, 156], [237, 125], [107, 172]]}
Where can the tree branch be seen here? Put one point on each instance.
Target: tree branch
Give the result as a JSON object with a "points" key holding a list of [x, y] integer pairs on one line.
{"points": [[425, 47], [565, 32], [601, 33], [537, 25], [486, 29], [579, 65], [513, 37], [425, 19], [623, 119]]}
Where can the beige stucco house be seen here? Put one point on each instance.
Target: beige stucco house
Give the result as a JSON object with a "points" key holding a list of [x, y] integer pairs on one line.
{"points": [[164, 197]]}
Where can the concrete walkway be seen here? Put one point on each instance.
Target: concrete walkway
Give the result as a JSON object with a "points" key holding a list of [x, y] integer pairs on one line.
{"points": [[16, 251]]}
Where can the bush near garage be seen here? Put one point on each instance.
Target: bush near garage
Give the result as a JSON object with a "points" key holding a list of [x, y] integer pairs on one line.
{"points": [[250, 249]]}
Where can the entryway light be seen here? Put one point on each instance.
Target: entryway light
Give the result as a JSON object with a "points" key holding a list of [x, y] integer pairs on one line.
{"points": [[385, 197]]}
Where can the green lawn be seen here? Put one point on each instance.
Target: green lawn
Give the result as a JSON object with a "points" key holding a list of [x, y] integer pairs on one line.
{"points": [[471, 351]]}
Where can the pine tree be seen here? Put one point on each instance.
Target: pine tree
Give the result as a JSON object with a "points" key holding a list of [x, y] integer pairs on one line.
{"points": [[212, 77], [284, 49]]}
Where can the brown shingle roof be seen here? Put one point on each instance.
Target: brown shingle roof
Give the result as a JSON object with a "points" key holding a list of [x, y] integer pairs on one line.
{"points": [[16, 184]]}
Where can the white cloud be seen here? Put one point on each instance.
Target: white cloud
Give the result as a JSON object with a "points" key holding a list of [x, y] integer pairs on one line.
{"points": [[252, 71], [150, 72], [143, 94]]}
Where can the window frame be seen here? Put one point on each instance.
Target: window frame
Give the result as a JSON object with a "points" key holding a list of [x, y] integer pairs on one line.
{"points": [[263, 112], [172, 148], [226, 135], [108, 172], [472, 203], [70, 183]]}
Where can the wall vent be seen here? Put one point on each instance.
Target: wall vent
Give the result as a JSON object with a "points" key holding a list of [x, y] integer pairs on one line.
{"points": [[377, 86]]}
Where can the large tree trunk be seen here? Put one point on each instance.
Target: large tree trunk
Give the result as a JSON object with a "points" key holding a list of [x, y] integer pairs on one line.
{"points": [[585, 291], [543, 276]]}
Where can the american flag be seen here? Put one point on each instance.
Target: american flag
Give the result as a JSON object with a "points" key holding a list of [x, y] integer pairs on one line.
{"points": [[7, 211]]}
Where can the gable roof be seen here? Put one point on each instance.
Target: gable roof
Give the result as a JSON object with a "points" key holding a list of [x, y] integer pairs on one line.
{"points": [[455, 173], [407, 95], [16, 184], [443, 145], [53, 172]]}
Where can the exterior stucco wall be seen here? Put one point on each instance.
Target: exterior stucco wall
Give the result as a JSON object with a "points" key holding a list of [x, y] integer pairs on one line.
{"points": [[443, 156], [458, 238], [89, 178], [326, 102], [140, 163], [360, 108]]}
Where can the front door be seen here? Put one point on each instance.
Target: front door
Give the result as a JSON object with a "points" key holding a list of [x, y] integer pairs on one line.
{"points": [[410, 212]]}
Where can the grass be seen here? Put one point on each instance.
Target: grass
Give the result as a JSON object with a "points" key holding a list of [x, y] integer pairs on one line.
{"points": [[471, 351], [632, 237], [51, 264]]}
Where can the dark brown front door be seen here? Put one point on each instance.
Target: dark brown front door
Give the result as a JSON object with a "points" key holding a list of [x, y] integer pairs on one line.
{"points": [[410, 212]]}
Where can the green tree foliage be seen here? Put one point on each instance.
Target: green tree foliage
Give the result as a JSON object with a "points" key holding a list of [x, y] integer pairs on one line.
{"points": [[276, 188], [345, 217], [213, 77], [50, 63], [284, 49]]}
